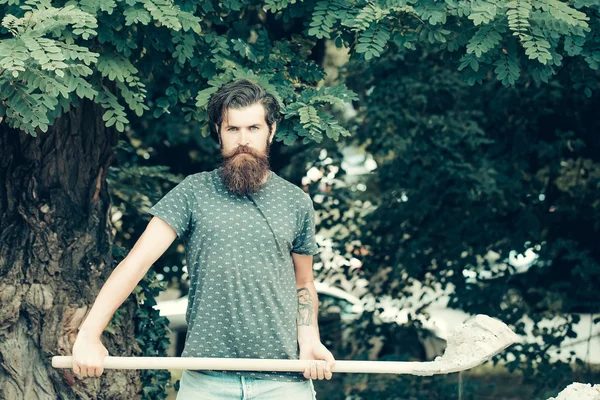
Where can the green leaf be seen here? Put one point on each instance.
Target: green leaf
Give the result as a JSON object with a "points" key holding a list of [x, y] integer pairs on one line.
{"points": [[203, 96], [482, 12], [485, 39], [507, 68], [135, 15]]}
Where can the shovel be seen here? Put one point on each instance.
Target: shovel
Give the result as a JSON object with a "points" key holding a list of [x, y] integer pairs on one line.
{"points": [[471, 344]]}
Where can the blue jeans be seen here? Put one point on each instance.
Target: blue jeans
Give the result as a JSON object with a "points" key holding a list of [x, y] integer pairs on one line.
{"points": [[214, 385]]}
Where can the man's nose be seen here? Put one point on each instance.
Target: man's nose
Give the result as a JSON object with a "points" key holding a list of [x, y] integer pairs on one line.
{"points": [[244, 137]]}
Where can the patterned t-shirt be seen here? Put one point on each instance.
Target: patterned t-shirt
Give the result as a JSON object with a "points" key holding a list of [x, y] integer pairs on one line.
{"points": [[242, 301]]}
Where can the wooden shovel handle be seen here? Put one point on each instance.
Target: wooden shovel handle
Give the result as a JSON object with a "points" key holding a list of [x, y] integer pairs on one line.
{"points": [[255, 364]]}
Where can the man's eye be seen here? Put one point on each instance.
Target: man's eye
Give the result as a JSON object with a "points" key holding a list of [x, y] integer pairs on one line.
{"points": [[254, 127]]}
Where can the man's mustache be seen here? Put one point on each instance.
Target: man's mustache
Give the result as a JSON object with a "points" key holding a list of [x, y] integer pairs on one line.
{"points": [[243, 150]]}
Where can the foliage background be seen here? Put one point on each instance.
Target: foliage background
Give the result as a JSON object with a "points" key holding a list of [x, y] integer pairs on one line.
{"points": [[479, 114]]}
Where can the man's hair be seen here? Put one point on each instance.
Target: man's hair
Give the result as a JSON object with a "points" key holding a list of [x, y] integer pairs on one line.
{"points": [[239, 94]]}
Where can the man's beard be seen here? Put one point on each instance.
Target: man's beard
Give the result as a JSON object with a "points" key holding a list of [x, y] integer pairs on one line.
{"points": [[243, 173]]}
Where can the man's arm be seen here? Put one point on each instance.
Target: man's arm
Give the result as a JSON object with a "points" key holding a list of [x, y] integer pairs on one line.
{"points": [[309, 339], [155, 240], [308, 301], [88, 351]]}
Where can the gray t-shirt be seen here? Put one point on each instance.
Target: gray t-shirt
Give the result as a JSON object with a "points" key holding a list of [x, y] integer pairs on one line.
{"points": [[242, 299]]}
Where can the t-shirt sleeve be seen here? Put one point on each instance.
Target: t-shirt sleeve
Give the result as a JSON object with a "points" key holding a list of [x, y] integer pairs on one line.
{"points": [[305, 242], [175, 208]]}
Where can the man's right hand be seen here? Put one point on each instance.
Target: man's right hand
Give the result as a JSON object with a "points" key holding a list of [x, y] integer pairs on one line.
{"points": [[88, 356]]}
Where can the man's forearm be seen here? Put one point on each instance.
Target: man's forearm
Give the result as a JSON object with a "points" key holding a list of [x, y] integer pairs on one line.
{"points": [[119, 285], [308, 310]]}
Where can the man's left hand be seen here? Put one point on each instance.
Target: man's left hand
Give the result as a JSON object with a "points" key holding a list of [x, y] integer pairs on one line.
{"points": [[317, 351]]}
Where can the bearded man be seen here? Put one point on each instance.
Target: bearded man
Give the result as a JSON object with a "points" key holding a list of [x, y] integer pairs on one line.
{"points": [[250, 239]]}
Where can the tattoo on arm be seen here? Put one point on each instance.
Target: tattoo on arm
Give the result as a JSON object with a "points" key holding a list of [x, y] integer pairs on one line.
{"points": [[305, 307]]}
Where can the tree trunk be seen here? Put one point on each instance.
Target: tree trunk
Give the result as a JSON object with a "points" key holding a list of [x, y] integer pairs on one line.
{"points": [[55, 254]]}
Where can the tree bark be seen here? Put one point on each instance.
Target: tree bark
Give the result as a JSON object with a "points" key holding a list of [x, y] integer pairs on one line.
{"points": [[55, 255]]}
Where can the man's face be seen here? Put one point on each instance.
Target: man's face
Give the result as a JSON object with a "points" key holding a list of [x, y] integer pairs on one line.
{"points": [[245, 140], [245, 127]]}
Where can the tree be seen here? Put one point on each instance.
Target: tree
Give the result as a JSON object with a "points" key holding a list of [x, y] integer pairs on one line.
{"points": [[509, 40], [469, 173]]}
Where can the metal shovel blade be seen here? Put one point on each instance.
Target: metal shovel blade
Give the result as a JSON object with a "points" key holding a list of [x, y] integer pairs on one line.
{"points": [[475, 342]]}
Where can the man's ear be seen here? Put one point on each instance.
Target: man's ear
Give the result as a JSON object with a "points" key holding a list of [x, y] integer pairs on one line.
{"points": [[218, 133], [273, 129]]}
